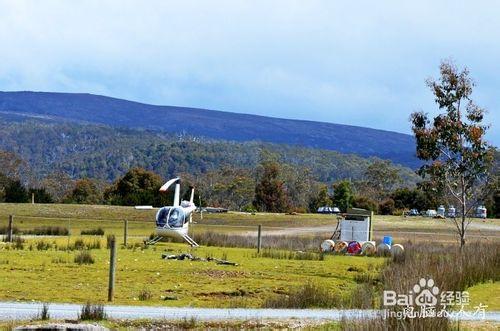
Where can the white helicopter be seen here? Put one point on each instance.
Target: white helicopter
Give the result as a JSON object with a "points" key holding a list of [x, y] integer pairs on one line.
{"points": [[173, 221]]}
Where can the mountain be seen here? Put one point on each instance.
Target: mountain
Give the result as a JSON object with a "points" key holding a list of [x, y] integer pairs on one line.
{"points": [[88, 108], [103, 152]]}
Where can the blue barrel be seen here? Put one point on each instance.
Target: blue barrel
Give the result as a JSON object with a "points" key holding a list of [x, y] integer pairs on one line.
{"points": [[387, 240]]}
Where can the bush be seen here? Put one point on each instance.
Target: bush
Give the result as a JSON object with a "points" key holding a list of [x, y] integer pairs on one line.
{"points": [[92, 312], [309, 295], [4, 230], [48, 231], [93, 232], [290, 255], [44, 312], [365, 203], [42, 245], [386, 207], [249, 209], [79, 244], [145, 295], [84, 257], [17, 242]]}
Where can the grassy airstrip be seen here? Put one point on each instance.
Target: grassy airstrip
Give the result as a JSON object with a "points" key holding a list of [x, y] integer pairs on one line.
{"points": [[143, 278]]}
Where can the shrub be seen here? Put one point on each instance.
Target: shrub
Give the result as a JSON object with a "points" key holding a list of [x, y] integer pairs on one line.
{"points": [[92, 312], [4, 230], [145, 295], [44, 312], [365, 203], [309, 295], [188, 323], [42, 245], [93, 232], [84, 257], [48, 231], [18, 242], [79, 244], [386, 207], [59, 260], [290, 255]]}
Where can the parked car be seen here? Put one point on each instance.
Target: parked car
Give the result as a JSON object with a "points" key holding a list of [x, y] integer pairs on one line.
{"points": [[328, 210], [413, 212], [430, 213]]}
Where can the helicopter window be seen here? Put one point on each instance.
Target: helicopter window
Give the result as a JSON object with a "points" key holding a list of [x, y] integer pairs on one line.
{"points": [[161, 217], [176, 218]]}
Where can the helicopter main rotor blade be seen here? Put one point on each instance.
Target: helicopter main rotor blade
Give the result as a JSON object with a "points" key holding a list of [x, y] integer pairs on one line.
{"points": [[165, 186]]}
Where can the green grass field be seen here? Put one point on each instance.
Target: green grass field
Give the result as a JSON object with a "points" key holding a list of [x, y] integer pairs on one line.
{"points": [[52, 275]]}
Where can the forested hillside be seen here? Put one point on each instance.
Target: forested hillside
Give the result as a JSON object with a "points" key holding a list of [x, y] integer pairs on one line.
{"points": [[102, 152], [60, 107]]}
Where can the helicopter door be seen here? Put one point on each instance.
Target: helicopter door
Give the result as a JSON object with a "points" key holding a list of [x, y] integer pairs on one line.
{"points": [[176, 218]]}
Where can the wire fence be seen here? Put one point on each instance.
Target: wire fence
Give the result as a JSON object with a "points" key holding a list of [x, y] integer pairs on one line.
{"points": [[304, 230]]}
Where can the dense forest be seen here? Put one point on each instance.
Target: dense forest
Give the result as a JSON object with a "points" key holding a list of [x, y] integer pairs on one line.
{"points": [[105, 153]]}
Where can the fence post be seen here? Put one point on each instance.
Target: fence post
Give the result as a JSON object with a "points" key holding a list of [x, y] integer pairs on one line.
{"points": [[112, 268], [259, 241], [125, 232], [10, 228]]}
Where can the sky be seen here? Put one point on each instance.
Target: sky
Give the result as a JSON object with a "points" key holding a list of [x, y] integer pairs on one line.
{"points": [[352, 62]]}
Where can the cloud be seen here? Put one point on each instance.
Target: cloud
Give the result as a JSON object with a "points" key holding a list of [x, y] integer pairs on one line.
{"points": [[361, 63]]}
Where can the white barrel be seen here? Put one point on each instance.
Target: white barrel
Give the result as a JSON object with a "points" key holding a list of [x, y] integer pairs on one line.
{"points": [[397, 250], [327, 246], [340, 247], [369, 248], [383, 249]]}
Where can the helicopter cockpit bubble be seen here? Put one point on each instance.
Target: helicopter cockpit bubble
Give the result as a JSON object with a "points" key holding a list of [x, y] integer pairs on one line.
{"points": [[176, 217], [162, 216]]}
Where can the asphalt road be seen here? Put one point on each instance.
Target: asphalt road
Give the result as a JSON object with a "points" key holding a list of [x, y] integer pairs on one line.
{"points": [[24, 311]]}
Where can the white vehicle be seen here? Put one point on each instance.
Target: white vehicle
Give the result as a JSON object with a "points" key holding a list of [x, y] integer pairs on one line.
{"points": [[328, 210], [481, 212], [441, 211], [452, 211], [173, 221], [430, 213]]}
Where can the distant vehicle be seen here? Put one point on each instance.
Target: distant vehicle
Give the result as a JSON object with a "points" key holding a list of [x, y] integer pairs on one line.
{"points": [[441, 211], [328, 210], [413, 212], [481, 212], [430, 213], [452, 212]]}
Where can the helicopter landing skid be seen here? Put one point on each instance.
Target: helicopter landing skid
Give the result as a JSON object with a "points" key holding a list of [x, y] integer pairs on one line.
{"points": [[185, 237], [190, 240], [153, 241]]}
